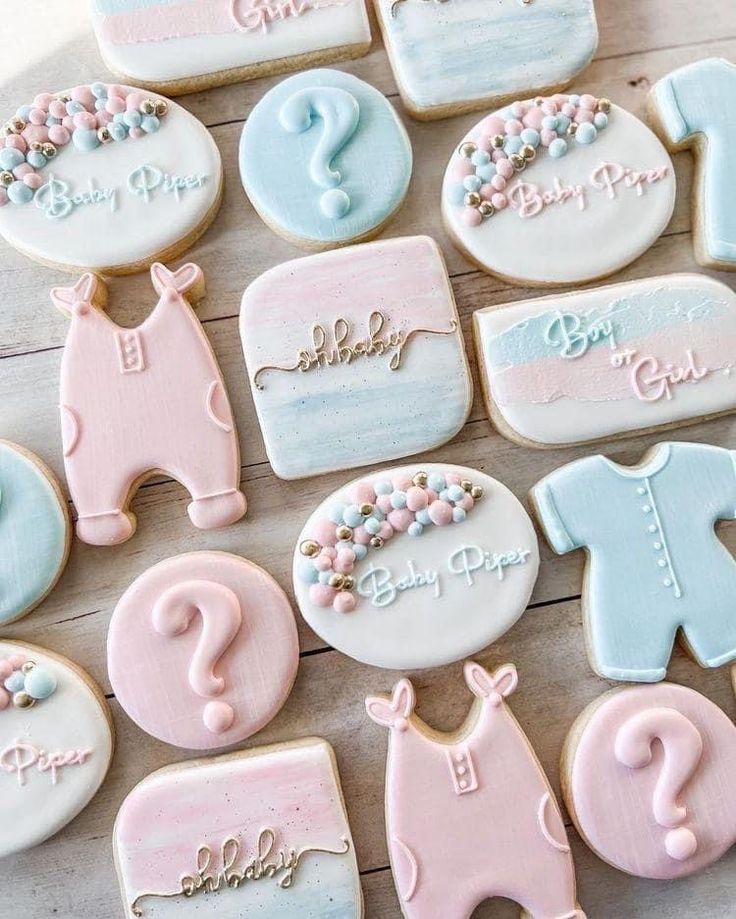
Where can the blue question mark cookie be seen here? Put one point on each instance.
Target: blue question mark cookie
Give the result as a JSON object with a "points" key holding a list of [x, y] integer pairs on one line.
{"points": [[34, 531], [325, 159]]}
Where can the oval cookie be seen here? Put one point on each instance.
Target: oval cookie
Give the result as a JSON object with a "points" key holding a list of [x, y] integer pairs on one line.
{"points": [[355, 356], [416, 566], [259, 832], [325, 159], [202, 650], [561, 190], [34, 531], [596, 364], [56, 743], [644, 771], [106, 177]]}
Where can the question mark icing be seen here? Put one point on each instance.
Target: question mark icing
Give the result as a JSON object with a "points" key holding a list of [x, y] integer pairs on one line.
{"points": [[222, 618], [683, 747], [340, 113]]}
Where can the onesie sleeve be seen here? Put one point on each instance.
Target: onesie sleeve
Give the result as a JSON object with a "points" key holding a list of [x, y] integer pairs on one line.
{"points": [[564, 506], [671, 117]]}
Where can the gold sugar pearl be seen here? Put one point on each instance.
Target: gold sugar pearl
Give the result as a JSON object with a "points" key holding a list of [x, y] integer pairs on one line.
{"points": [[486, 209], [421, 479], [497, 141], [16, 125], [310, 548], [344, 533], [572, 128], [476, 492], [36, 145], [160, 107], [28, 666], [23, 700], [48, 150], [604, 105], [6, 178], [147, 107], [539, 101], [103, 135], [466, 485], [376, 542], [472, 199], [366, 509], [528, 152], [336, 580], [467, 149], [64, 97], [348, 582], [517, 161]]}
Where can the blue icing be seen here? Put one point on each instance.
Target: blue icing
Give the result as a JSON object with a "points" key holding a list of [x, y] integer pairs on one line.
{"points": [[698, 100], [286, 171], [33, 533], [111, 7]]}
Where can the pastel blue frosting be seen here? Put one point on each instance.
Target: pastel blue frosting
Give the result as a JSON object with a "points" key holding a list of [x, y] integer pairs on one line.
{"points": [[33, 530], [111, 7], [276, 162]]}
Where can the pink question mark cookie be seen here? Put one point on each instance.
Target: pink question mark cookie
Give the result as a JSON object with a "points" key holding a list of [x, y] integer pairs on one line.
{"points": [[203, 650], [644, 774]]}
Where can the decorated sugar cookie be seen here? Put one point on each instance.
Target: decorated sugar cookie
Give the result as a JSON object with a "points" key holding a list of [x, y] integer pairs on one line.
{"points": [[449, 798], [202, 650], [647, 774], [355, 356], [416, 566], [179, 46], [135, 401], [452, 56], [655, 564], [261, 832], [106, 177], [629, 357], [325, 159], [558, 190], [35, 531], [691, 109], [56, 743]]}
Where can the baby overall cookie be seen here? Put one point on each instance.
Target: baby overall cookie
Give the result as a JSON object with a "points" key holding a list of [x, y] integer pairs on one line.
{"points": [[655, 564], [136, 401], [471, 815]]}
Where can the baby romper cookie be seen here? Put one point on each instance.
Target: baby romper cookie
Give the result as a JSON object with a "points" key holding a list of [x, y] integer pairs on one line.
{"points": [[646, 773], [655, 564], [691, 109], [461, 55], [56, 743], [449, 795], [35, 531], [202, 650], [106, 177], [325, 159], [259, 832], [355, 356], [561, 190], [638, 356], [416, 566], [136, 401], [179, 46]]}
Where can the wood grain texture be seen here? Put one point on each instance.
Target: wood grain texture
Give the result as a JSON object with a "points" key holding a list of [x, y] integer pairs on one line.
{"points": [[72, 875]]}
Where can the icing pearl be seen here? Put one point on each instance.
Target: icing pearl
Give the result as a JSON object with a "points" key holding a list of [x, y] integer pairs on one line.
{"points": [[85, 120], [440, 513], [458, 515], [534, 118], [20, 193], [33, 180], [530, 136], [335, 513], [324, 576], [457, 194], [558, 147], [151, 124], [36, 159], [480, 158], [361, 536], [436, 481], [372, 526], [307, 572], [563, 123], [402, 483], [386, 531], [59, 135], [14, 683], [132, 119], [400, 520], [384, 488], [505, 169], [345, 561], [6, 668], [550, 122], [57, 108], [362, 493], [472, 217], [99, 90], [40, 683], [600, 120], [345, 544], [518, 109], [3, 197], [416, 529], [487, 172], [574, 99], [360, 552], [548, 137], [513, 127], [322, 594], [398, 500], [472, 183], [499, 201], [586, 134], [10, 158], [588, 102], [498, 183], [15, 140], [455, 493], [513, 144], [344, 602], [118, 131], [115, 105], [72, 107], [37, 116], [321, 563], [383, 502], [23, 112], [352, 516], [416, 499], [324, 533], [424, 518], [453, 478], [85, 139]]}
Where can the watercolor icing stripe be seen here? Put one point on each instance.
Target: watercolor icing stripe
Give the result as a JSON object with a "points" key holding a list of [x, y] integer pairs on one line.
{"points": [[627, 357], [356, 356], [270, 837]]}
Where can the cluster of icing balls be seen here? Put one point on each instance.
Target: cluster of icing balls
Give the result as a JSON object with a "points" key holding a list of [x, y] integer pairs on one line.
{"points": [[23, 682], [376, 512], [506, 143], [87, 116]]}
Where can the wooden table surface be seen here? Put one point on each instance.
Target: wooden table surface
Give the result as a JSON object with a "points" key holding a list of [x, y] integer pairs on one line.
{"points": [[72, 875]]}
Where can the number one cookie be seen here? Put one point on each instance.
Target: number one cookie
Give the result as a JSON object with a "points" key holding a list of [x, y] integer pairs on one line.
{"points": [[692, 108]]}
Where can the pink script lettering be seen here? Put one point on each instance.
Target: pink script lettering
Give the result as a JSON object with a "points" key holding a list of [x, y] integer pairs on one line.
{"points": [[652, 382], [530, 200], [17, 758], [608, 175]]}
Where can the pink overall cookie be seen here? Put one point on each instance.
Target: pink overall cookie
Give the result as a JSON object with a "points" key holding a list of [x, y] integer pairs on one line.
{"points": [[470, 815], [202, 650], [648, 776], [143, 400]]}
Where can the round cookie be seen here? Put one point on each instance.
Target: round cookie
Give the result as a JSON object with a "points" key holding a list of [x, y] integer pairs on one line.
{"points": [[644, 774], [562, 190], [202, 650], [106, 177], [35, 531], [416, 566], [56, 743], [325, 159]]}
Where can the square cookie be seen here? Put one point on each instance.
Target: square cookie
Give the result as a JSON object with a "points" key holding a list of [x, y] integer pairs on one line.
{"points": [[355, 356]]}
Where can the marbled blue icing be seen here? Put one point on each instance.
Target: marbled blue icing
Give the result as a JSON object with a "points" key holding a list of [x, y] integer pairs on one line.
{"points": [[700, 99], [463, 50], [374, 164], [655, 562], [111, 7], [33, 533]]}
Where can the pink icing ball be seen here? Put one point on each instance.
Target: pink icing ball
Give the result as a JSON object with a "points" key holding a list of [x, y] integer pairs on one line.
{"points": [[84, 95], [43, 101], [440, 513], [402, 483], [3, 197], [85, 120], [498, 156], [472, 217], [133, 101], [588, 102], [513, 127], [466, 503], [583, 115], [547, 136], [329, 552], [57, 109], [117, 91], [569, 109], [36, 133], [22, 170], [323, 563], [322, 594], [461, 168], [518, 109], [17, 661], [59, 135], [345, 561], [103, 118], [431, 495], [533, 118], [492, 125], [486, 143], [499, 201], [549, 107], [362, 493], [559, 99], [361, 536], [453, 478], [386, 531], [16, 141], [115, 105], [486, 191], [6, 668], [401, 520], [498, 183], [4, 699], [68, 122], [324, 532], [383, 502], [505, 169], [416, 498], [136, 133], [344, 602]]}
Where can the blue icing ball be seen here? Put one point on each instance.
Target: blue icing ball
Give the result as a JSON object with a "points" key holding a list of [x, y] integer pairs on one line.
{"points": [[20, 193], [415, 529], [563, 123], [118, 131], [15, 682], [444, 495], [119, 117], [487, 172], [586, 133], [99, 90], [423, 517], [456, 193], [150, 124], [360, 551], [549, 122], [513, 144], [383, 488], [100, 105], [335, 513], [344, 544], [458, 514], [36, 159], [436, 482], [472, 183], [455, 493], [352, 516], [480, 158], [307, 572], [39, 683], [398, 500], [85, 139], [373, 525], [574, 99], [324, 577], [378, 513], [10, 158], [73, 107], [51, 121], [531, 137], [600, 120], [23, 112], [558, 148], [335, 203], [132, 119]]}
